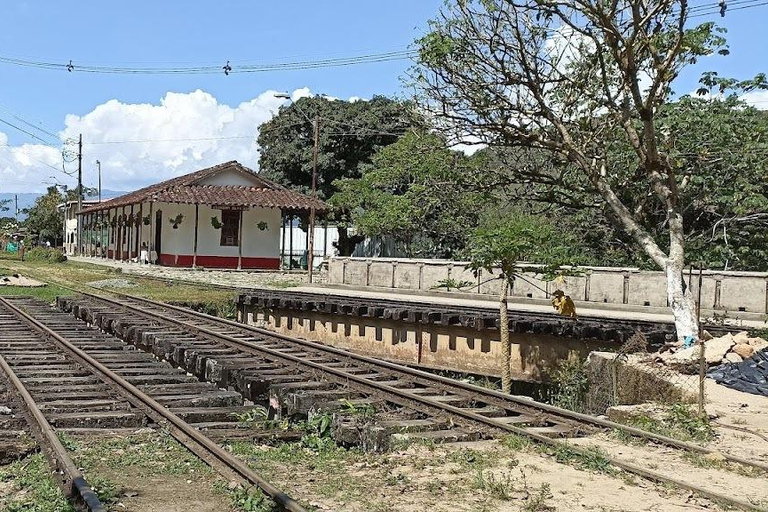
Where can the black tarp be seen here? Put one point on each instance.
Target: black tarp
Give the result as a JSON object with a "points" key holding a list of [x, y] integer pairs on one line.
{"points": [[749, 376]]}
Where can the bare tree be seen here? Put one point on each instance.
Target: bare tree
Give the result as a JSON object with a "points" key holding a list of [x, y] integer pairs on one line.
{"points": [[564, 77]]}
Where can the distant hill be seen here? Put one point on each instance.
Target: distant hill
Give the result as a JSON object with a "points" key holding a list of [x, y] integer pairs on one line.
{"points": [[27, 199]]}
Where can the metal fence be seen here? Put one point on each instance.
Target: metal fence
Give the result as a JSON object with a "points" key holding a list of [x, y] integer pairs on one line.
{"points": [[634, 376]]}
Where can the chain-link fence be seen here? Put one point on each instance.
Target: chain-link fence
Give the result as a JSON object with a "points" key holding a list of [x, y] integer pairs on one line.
{"points": [[635, 376]]}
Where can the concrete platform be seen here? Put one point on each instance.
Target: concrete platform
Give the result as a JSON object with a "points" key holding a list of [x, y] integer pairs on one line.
{"points": [[296, 281], [584, 309]]}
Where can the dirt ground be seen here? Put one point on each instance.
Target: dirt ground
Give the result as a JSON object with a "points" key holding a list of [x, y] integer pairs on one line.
{"points": [[742, 411], [472, 477], [146, 471], [166, 493]]}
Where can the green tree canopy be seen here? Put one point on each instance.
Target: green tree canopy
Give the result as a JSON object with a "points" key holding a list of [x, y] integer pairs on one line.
{"points": [[718, 146], [350, 134], [577, 81], [505, 239], [418, 192], [44, 218]]}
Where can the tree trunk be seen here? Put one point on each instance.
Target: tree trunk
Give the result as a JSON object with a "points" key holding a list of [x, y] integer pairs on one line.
{"points": [[679, 296], [346, 243], [682, 303], [506, 348], [680, 300]]}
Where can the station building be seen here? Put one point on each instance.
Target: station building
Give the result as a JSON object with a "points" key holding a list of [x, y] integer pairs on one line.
{"points": [[225, 216]]}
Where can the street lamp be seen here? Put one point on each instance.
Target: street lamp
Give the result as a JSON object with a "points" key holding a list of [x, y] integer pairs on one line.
{"points": [[316, 123]]}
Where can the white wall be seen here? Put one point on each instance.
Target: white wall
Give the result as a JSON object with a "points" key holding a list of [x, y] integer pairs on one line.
{"points": [[735, 292], [180, 240], [256, 243]]}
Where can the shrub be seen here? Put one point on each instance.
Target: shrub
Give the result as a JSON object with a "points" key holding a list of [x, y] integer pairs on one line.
{"points": [[46, 254], [571, 383]]}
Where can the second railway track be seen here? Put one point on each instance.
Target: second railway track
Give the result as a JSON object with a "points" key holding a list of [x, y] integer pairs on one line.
{"points": [[295, 376], [72, 378]]}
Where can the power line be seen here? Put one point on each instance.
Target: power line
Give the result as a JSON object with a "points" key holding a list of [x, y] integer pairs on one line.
{"points": [[38, 160], [747, 4], [27, 132], [96, 143], [229, 68], [716, 5], [72, 66], [31, 125]]}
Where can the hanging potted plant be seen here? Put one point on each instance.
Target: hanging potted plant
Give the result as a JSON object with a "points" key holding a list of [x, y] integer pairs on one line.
{"points": [[215, 222], [176, 221], [262, 226], [113, 221], [146, 220]]}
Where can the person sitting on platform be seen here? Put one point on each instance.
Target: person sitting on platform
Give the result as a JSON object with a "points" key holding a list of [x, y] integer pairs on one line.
{"points": [[564, 304], [144, 255]]}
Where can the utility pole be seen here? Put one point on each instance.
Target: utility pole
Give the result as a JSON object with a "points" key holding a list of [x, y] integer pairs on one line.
{"points": [[310, 255], [100, 214], [16, 198], [98, 163], [79, 193]]}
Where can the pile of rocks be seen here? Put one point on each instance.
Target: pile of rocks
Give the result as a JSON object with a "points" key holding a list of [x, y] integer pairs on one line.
{"points": [[731, 348], [19, 280]]}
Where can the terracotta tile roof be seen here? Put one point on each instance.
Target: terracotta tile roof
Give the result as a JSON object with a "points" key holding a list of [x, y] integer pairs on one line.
{"points": [[186, 189]]}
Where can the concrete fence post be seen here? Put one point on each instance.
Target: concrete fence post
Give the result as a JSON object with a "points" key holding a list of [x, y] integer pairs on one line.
{"points": [[368, 272], [766, 297], [625, 291], [394, 272]]}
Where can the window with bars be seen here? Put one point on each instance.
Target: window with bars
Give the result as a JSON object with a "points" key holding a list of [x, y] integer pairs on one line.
{"points": [[230, 227]]}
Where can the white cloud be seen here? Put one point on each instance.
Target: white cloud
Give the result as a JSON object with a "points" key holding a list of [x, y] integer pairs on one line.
{"points": [[300, 93], [758, 99], [214, 132]]}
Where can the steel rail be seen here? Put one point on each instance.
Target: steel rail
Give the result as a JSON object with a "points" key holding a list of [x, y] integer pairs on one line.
{"points": [[71, 480], [213, 450], [525, 401], [491, 422]]}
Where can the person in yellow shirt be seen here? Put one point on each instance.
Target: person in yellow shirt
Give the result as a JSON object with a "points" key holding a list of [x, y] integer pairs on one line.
{"points": [[563, 304]]}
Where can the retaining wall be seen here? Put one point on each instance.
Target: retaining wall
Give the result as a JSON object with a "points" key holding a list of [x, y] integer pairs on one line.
{"points": [[720, 291], [453, 348]]}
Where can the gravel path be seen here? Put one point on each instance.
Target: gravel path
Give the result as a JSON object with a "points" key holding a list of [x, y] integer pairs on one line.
{"points": [[235, 278]]}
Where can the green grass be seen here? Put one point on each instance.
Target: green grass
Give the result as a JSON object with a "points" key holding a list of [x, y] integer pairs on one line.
{"points": [[501, 487], [593, 459], [329, 462], [77, 275], [36, 489], [247, 500], [680, 421], [139, 455], [148, 454]]}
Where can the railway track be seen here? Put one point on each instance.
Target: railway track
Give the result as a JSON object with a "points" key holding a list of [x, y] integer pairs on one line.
{"points": [[73, 378], [295, 376]]}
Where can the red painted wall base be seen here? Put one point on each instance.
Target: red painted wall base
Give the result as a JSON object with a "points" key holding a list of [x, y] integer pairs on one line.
{"points": [[185, 260]]}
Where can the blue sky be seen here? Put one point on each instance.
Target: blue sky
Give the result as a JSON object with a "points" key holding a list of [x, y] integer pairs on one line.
{"points": [[144, 32], [178, 33]]}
